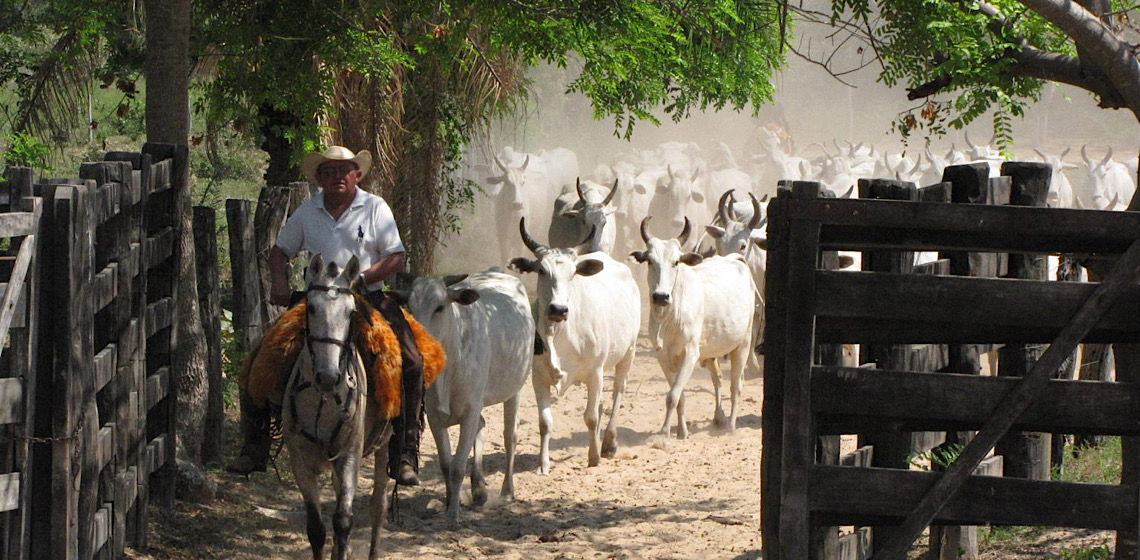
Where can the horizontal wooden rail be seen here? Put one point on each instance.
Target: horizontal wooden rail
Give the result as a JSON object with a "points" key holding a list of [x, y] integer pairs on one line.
{"points": [[17, 224], [857, 400], [159, 247], [158, 315], [874, 307], [157, 386], [105, 364], [849, 496], [855, 224]]}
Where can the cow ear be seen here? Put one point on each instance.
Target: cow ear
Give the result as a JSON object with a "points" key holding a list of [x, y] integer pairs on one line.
{"points": [[715, 231], [639, 256], [496, 179], [453, 279], [569, 213], [698, 197], [846, 261], [761, 242], [692, 259], [522, 265], [640, 189], [589, 267], [466, 296], [609, 210]]}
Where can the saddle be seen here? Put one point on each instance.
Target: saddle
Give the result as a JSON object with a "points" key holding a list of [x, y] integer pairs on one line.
{"points": [[271, 361]]}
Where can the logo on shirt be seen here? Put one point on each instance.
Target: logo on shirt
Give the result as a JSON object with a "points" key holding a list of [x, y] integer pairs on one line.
{"points": [[360, 234]]}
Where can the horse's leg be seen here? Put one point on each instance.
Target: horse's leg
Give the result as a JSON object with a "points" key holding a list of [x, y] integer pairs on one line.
{"points": [[713, 365], [593, 415], [307, 474], [621, 372], [478, 482], [510, 440], [379, 502], [346, 472], [545, 420]]}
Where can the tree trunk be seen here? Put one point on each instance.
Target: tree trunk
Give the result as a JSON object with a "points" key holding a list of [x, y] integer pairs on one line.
{"points": [[416, 197], [275, 124], [167, 121]]}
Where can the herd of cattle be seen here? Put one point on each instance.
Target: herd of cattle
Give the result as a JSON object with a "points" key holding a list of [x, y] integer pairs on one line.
{"points": [[696, 219]]}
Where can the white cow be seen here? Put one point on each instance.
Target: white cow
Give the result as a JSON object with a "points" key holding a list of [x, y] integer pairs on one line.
{"points": [[745, 237], [587, 208], [674, 199], [520, 191], [588, 313], [707, 313], [485, 327], [1060, 189], [1110, 182]]}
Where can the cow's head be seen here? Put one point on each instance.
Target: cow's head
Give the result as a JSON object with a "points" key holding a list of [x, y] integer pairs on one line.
{"points": [[511, 183], [433, 302], [591, 215], [735, 236], [556, 269], [664, 256]]}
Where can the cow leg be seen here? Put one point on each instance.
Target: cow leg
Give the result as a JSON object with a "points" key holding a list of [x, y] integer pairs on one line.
{"points": [[379, 502], [510, 440], [307, 475], [713, 365], [439, 433], [738, 360], [346, 471], [621, 373], [593, 415], [675, 398], [545, 417], [478, 482]]}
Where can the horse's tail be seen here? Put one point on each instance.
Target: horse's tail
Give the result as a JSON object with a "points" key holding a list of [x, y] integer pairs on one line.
{"points": [[430, 349], [262, 371]]}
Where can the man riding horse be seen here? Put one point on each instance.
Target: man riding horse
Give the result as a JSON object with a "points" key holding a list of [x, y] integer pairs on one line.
{"points": [[340, 222]]}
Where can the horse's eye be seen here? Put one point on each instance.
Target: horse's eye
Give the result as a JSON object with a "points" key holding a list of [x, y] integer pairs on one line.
{"points": [[439, 309]]}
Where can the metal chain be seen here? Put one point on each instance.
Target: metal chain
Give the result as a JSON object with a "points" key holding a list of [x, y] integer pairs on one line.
{"points": [[12, 429]]}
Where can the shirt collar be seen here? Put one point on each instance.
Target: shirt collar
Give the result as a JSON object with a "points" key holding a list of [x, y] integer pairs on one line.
{"points": [[357, 201]]}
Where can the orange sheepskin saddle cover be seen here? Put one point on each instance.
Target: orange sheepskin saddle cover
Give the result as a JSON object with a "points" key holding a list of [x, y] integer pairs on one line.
{"points": [[274, 357]]}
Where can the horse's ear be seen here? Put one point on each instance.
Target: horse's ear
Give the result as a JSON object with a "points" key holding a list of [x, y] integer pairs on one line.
{"points": [[316, 265], [400, 296], [352, 270]]}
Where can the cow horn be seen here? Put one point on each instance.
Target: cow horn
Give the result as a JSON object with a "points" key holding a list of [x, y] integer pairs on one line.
{"points": [[610, 197], [1085, 155], [1041, 155], [1107, 158], [499, 162], [755, 223], [578, 187], [529, 241], [764, 198], [1064, 153], [685, 232], [966, 133], [850, 190], [525, 162], [720, 206], [644, 232], [453, 279]]}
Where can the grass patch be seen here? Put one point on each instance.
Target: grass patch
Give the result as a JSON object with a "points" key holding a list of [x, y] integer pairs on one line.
{"points": [[1093, 465]]}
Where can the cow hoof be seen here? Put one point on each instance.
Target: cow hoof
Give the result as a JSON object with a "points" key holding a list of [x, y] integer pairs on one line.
{"points": [[609, 448], [478, 497]]}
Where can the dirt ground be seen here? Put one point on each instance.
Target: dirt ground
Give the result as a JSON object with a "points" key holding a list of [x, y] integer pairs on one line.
{"points": [[658, 498]]}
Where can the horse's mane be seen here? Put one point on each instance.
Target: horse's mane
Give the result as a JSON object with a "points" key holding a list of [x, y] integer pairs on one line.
{"points": [[380, 350]]}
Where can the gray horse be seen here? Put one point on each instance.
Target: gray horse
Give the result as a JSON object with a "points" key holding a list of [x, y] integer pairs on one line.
{"points": [[327, 416]]}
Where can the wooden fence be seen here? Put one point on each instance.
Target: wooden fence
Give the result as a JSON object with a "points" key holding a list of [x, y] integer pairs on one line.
{"points": [[810, 307], [86, 400]]}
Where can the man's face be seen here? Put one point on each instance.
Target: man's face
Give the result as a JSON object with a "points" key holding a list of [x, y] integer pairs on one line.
{"points": [[338, 177]]}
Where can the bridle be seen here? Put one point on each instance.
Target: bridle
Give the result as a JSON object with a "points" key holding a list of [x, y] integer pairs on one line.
{"points": [[347, 351]]}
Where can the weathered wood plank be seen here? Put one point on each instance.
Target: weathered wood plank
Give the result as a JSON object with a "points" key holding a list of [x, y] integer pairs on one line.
{"points": [[863, 308], [157, 386], [861, 457], [11, 400], [159, 247], [1125, 273], [849, 496], [105, 362], [775, 321], [799, 439], [856, 545], [101, 527], [852, 400], [158, 315], [16, 224], [106, 202], [9, 491], [855, 224], [156, 452], [11, 298], [104, 445], [106, 286]]}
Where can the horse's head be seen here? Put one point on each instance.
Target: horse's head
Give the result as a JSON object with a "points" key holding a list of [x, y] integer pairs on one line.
{"points": [[330, 305]]}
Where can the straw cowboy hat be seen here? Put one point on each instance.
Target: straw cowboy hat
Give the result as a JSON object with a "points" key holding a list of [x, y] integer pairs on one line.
{"points": [[313, 160]]}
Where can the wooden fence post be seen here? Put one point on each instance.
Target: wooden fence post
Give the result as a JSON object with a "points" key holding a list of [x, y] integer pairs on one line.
{"points": [[1026, 453], [210, 310], [775, 342], [248, 326]]}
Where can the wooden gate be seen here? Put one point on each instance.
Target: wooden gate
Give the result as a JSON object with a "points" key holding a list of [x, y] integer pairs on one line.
{"points": [[90, 416], [808, 306]]}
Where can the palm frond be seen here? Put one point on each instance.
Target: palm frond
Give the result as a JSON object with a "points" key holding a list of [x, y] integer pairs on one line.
{"points": [[57, 90]]}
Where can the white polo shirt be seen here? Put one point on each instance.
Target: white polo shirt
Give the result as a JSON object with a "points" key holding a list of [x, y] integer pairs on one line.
{"points": [[366, 229]]}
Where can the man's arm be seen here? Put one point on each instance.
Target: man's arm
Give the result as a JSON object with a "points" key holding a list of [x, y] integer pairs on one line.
{"points": [[384, 268], [279, 291]]}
